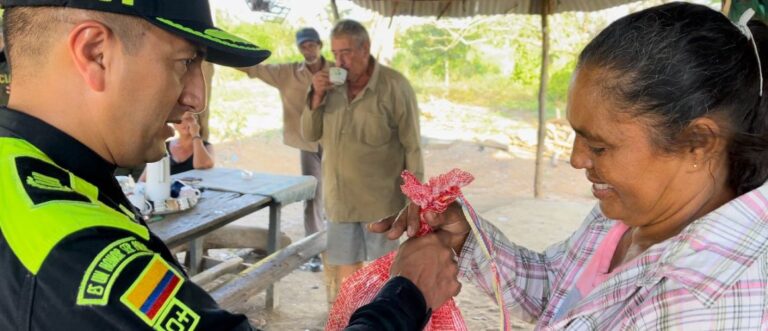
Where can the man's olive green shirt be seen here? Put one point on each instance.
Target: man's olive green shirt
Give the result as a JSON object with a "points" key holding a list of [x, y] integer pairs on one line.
{"points": [[293, 81], [367, 143]]}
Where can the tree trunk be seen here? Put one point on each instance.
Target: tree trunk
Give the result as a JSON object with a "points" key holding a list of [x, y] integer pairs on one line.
{"points": [[335, 11], [545, 10]]}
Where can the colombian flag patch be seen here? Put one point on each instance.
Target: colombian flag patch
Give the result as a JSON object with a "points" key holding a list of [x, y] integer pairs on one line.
{"points": [[153, 290]]}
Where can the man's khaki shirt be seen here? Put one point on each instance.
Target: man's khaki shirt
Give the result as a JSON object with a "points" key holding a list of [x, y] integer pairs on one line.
{"points": [[293, 81], [366, 143]]}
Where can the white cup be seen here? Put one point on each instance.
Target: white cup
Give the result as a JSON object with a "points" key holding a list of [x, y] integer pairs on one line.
{"points": [[159, 180], [337, 75]]}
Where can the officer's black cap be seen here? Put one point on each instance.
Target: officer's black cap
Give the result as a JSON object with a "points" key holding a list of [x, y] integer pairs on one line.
{"points": [[189, 19]]}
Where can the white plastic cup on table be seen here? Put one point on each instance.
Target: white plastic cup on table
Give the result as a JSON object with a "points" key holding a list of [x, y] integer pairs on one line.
{"points": [[337, 75], [158, 185]]}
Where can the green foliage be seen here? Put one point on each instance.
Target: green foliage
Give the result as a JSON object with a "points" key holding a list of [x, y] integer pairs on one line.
{"points": [[494, 61], [275, 37], [434, 50]]}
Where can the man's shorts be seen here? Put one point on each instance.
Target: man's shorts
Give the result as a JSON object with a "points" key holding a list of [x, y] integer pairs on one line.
{"points": [[350, 243]]}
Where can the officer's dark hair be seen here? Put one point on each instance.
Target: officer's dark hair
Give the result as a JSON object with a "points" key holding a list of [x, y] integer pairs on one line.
{"points": [[30, 30], [677, 62]]}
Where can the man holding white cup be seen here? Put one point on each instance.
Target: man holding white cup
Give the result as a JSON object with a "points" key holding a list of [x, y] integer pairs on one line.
{"points": [[292, 80], [366, 118]]}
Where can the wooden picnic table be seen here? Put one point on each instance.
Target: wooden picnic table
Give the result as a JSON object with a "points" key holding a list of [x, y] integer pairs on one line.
{"points": [[229, 194]]}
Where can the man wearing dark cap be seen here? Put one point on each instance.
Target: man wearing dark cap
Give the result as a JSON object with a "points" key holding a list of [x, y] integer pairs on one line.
{"points": [[293, 80], [97, 83]]}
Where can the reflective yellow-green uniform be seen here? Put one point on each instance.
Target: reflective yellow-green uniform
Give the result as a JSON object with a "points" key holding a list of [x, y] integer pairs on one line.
{"points": [[73, 255]]}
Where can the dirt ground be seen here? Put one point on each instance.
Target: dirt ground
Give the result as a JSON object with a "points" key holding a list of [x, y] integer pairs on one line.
{"points": [[502, 193]]}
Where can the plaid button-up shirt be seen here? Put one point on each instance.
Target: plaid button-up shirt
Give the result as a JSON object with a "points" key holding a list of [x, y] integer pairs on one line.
{"points": [[711, 276]]}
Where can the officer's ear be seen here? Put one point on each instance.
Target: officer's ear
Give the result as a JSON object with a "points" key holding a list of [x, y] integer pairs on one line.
{"points": [[89, 46]]}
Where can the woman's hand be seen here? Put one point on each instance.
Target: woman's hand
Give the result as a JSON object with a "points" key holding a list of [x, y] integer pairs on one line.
{"points": [[451, 225], [192, 125]]}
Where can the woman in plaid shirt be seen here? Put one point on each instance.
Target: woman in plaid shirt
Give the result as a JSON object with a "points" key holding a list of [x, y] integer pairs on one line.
{"points": [[671, 116]]}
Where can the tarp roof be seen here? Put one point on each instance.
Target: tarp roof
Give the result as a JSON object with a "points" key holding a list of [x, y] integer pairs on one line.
{"points": [[465, 8]]}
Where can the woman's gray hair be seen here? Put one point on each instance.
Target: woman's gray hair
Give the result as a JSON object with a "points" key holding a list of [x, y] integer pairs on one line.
{"points": [[352, 29]]}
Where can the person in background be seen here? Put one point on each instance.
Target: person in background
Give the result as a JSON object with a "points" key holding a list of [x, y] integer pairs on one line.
{"points": [[188, 150], [293, 80], [670, 110], [369, 129]]}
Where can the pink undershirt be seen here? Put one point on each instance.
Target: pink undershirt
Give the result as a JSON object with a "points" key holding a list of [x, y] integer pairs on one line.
{"points": [[597, 269]]}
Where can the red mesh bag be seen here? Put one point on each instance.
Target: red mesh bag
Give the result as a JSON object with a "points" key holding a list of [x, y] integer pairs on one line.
{"points": [[362, 286]]}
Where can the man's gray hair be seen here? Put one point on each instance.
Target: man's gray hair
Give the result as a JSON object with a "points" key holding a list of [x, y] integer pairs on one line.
{"points": [[352, 29]]}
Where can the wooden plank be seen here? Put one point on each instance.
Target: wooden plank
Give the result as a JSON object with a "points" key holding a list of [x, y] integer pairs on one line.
{"points": [[244, 236], [259, 276], [209, 275], [214, 210]]}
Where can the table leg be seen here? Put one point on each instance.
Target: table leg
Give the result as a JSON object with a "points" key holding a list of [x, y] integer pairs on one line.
{"points": [[195, 255], [273, 244]]}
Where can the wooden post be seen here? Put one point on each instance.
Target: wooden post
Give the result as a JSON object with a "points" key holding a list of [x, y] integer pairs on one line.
{"points": [[205, 116], [543, 82]]}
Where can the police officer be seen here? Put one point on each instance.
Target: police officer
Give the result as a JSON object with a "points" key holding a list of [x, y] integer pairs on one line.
{"points": [[98, 83]]}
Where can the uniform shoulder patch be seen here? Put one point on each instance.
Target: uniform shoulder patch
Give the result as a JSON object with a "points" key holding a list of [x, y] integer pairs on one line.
{"points": [[105, 268], [45, 182], [153, 291], [177, 317]]}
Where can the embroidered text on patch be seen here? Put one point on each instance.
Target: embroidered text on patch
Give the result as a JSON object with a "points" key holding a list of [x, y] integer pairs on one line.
{"points": [[105, 268]]}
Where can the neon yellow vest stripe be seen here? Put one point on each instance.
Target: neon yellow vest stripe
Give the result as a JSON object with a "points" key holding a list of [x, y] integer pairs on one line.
{"points": [[32, 231]]}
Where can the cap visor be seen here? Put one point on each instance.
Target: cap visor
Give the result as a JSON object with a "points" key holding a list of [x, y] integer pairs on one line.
{"points": [[222, 47]]}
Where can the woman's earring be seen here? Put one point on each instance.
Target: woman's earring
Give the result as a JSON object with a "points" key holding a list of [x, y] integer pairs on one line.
{"points": [[695, 165]]}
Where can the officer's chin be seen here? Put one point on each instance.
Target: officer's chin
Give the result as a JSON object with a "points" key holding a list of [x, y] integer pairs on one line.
{"points": [[154, 153]]}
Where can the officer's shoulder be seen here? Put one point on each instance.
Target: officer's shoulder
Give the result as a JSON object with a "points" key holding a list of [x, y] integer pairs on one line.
{"points": [[122, 277], [44, 203]]}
